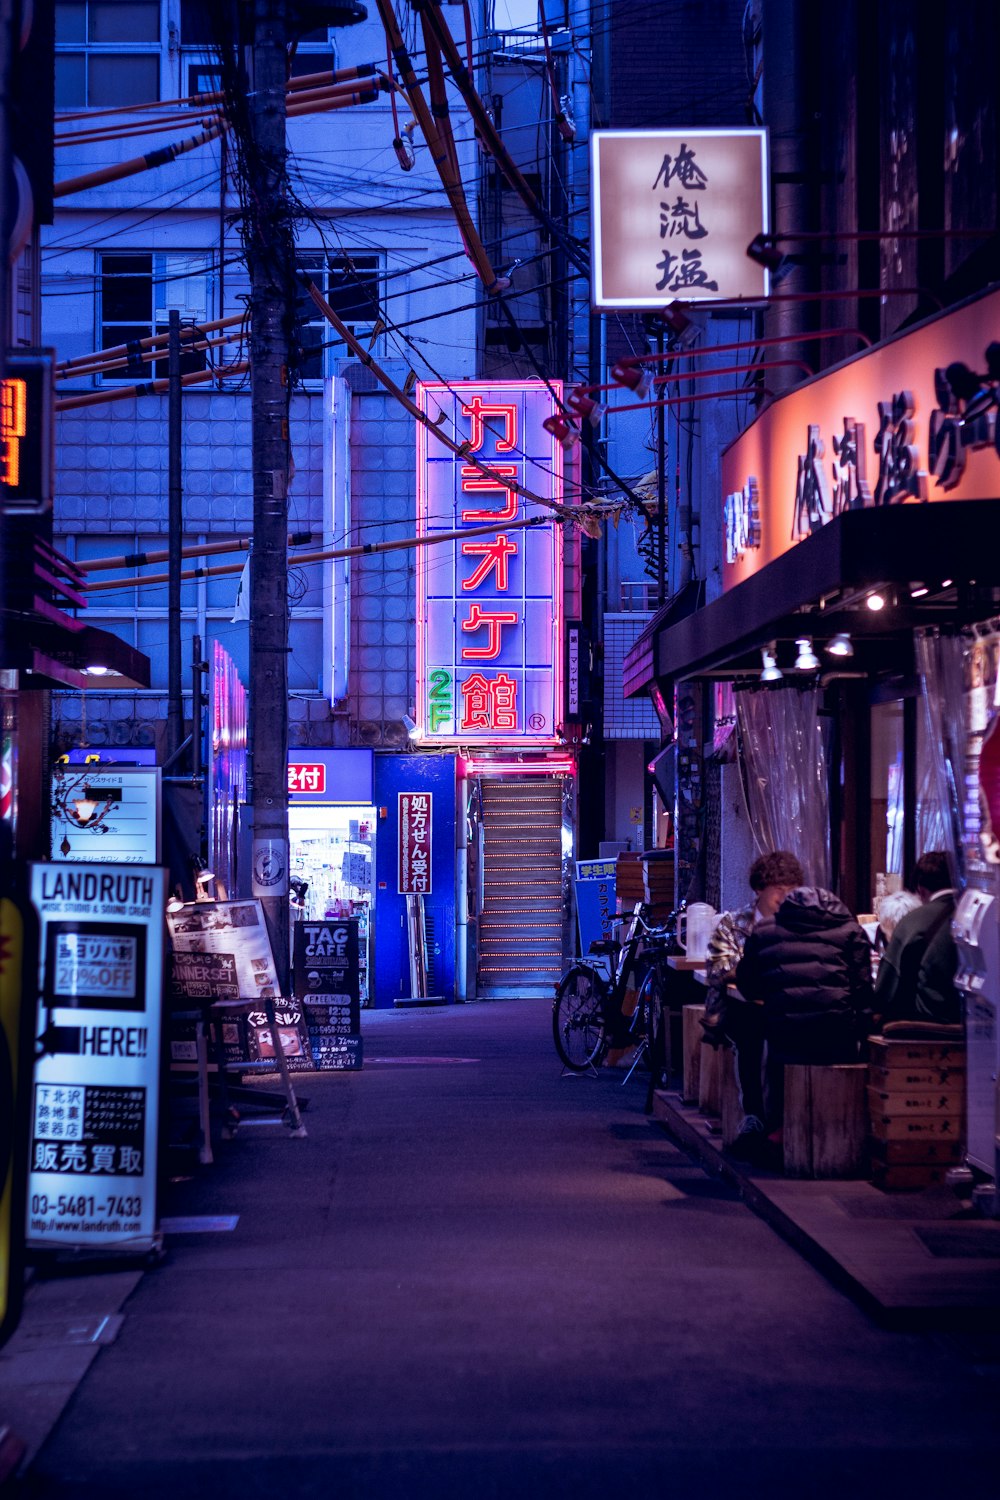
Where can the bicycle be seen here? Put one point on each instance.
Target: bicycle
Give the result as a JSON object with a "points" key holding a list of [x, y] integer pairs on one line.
{"points": [[588, 1019]]}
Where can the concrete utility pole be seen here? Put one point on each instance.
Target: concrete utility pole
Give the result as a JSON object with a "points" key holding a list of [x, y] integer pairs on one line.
{"points": [[271, 261]]}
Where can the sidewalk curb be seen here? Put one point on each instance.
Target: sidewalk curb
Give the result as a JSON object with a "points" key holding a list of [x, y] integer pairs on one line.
{"points": [[872, 1293]]}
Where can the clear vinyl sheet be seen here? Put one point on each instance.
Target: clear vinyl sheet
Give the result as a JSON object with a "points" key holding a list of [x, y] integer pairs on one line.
{"points": [[783, 744]]}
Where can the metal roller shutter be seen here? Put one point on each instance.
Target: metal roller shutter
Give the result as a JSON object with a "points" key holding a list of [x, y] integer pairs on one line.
{"points": [[521, 923]]}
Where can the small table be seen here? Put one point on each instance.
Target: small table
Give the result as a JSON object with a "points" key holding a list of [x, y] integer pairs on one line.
{"points": [[683, 964]]}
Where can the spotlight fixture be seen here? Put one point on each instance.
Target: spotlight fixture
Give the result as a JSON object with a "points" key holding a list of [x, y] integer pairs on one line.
{"points": [[637, 377], [765, 253], [585, 407], [807, 660], [840, 645], [685, 329], [562, 429], [875, 602], [175, 904], [410, 726], [769, 656]]}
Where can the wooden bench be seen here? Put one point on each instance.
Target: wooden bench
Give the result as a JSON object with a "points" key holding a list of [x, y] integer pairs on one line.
{"points": [[826, 1120]]}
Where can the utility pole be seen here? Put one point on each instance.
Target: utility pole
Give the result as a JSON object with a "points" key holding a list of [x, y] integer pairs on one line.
{"points": [[270, 254], [175, 525]]}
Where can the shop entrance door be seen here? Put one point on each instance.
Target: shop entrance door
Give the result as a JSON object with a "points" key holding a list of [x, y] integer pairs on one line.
{"points": [[331, 853], [521, 922]]}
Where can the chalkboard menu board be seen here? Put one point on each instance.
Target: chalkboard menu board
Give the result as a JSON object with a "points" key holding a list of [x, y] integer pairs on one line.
{"points": [[328, 985]]}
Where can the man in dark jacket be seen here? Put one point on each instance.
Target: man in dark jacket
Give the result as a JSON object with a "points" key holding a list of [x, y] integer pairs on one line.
{"points": [[916, 976], [811, 966]]}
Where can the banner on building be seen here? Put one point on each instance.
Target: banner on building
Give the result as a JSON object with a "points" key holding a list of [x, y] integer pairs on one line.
{"points": [[673, 212], [489, 608], [415, 821], [95, 1099]]}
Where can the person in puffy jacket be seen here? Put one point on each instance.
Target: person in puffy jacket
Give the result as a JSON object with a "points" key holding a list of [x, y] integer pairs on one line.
{"points": [[810, 965]]}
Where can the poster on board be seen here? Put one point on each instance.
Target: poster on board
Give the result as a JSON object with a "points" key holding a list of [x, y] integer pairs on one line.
{"points": [[95, 1097], [327, 970], [221, 951], [110, 814]]}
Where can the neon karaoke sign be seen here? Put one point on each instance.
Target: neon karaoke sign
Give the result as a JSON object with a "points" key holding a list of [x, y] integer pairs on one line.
{"points": [[489, 609]]}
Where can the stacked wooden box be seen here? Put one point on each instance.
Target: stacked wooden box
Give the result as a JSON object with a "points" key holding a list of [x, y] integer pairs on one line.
{"points": [[658, 883], [628, 881], [916, 1096]]}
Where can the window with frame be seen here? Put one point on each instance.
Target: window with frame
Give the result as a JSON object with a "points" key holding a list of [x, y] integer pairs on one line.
{"points": [[352, 285], [314, 52], [107, 53], [136, 292]]}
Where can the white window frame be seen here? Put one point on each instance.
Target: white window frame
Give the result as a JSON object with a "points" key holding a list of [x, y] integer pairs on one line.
{"points": [[193, 295], [335, 351], [91, 49]]}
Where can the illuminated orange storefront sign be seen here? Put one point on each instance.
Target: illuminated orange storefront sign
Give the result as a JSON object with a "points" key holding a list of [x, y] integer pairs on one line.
{"points": [[912, 421]]}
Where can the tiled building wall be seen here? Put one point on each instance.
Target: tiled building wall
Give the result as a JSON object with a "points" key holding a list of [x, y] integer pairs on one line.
{"points": [[383, 586]]}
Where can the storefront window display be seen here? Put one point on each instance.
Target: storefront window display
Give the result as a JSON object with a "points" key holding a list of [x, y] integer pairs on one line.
{"points": [[332, 852]]}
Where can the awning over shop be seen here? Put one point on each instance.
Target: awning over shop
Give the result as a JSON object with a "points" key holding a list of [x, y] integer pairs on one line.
{"points": [[930, 564]]}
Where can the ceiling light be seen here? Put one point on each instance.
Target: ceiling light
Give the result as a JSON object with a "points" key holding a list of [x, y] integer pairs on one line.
{"points": [[875, 602], [772, 672], [807, 660], [97, 671], [946, 583], [918, 590], [840, 645]]}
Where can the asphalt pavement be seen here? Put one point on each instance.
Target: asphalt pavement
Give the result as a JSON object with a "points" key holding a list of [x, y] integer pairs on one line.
{"points": [[477, 1278]]}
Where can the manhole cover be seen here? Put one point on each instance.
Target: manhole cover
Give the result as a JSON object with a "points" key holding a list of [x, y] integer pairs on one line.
{"points": [[962, 1241]]}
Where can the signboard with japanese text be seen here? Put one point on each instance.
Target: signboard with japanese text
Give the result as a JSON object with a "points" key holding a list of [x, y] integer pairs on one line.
{"points": [[489, 609], [912, 420], [415, 820], [330, 776], [673, 212], [106, 814], [326, 961], [227, 763], [595, 900], [95, 1100], [221, 951], [26, 429]]}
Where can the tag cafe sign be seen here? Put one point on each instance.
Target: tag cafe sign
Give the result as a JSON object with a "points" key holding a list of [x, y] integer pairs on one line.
{"points": [[489, 617], [672, 214], [914, 420]]}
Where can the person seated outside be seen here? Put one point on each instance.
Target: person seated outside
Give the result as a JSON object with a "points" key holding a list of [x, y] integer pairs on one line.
{"points": [[727, 1015], [891, 910], [810, 965], [916, 976]]}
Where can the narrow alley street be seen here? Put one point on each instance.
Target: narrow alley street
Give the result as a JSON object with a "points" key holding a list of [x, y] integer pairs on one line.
{"points": [[477, 1278]]}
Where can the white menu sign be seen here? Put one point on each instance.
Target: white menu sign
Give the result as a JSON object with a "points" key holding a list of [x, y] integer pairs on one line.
{"points": [[95, 1096]]}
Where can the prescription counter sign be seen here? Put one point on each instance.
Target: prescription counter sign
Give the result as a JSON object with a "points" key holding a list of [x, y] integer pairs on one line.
{"points": [[95, 1101]]}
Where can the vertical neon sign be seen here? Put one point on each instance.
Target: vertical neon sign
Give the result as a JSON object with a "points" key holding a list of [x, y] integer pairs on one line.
{"points": [[489, 610]]}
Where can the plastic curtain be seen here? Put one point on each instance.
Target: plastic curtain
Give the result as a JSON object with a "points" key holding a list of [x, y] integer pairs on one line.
{"points": [[784, 753], [939, 664]]}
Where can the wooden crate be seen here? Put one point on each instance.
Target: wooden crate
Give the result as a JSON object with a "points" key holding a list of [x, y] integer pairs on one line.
{"points": [[901, 1079], [826, 1120], [907, 1179], [886, 1053], [628, 881], [691, 1043], [916, 1153], [916, 1102], [710, 1081], [893, 1127]]}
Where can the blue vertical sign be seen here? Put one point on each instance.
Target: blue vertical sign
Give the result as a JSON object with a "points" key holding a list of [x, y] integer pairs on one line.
{"points": [[595, 900]]}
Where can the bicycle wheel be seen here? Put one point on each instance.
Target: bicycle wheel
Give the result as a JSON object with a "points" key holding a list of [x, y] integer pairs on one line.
{"points": [[578, 1018], [655, 1022]]}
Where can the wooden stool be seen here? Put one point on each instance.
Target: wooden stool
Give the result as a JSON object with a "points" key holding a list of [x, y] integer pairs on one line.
{"points": [[691, 1035], [826, 1120], [710, 1080], [732, 1113]]}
